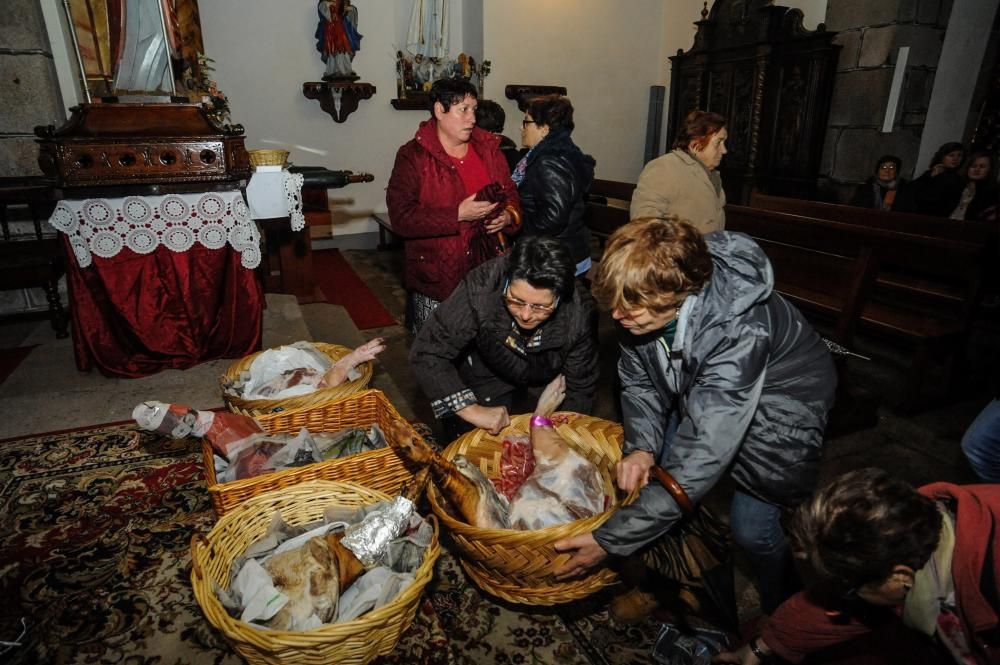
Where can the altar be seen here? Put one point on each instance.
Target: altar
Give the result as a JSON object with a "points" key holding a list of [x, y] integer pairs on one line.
{"points": [[161, 249], [161, 282]]}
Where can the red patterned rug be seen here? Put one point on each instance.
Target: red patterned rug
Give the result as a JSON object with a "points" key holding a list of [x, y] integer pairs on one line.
{"points": [[342, 286], [96, 527]]}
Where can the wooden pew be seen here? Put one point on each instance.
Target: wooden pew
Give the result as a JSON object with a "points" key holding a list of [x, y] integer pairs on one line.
{"points": [[607, 207], [906, 277], [935, 227], [908, 286]]}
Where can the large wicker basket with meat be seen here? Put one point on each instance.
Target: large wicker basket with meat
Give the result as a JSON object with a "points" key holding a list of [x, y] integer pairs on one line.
{"points": [[519, 566], [357, 641]]}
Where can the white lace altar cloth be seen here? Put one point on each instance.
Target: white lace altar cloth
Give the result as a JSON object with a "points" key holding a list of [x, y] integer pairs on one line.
{"points": [[177, 221], [277, 194]]}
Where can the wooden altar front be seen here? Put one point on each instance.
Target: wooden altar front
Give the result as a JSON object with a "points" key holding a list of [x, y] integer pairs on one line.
{"points": [[772, 79]]}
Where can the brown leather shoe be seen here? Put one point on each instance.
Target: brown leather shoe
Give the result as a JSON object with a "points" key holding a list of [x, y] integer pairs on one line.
{"points": [[633, 605]]}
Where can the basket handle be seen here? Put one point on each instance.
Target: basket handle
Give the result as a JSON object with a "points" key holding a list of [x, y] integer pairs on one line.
{"points": [[197, 540], [673, 488]]}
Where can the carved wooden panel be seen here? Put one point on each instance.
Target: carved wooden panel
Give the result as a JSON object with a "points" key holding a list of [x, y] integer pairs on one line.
{"points": [[106, 162], [754, 63], [112, 144]]}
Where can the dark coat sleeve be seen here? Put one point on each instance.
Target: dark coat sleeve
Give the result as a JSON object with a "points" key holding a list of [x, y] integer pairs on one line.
{"points": [[718, 411], [549, 192], [442, 340]]}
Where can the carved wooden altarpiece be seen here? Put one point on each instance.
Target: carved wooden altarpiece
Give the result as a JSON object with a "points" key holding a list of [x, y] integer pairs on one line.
{"points": [[772, 79]]}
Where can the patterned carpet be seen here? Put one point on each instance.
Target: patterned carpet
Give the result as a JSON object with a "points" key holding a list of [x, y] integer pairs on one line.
{"points": [[94, 561]]}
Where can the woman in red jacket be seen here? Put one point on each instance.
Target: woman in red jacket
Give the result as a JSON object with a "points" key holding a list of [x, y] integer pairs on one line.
{"points": [[886, 552], [449, 195]]}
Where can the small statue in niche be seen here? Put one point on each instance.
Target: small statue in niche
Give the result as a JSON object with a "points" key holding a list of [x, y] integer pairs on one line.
{"points": [[404, 75], [462, 67], [337, 38]]}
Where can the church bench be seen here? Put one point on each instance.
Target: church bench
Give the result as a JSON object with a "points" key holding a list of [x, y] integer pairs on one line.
{"points": [[935, 227], [897, 273], [906, 286], [607, 207], [31, 255]]}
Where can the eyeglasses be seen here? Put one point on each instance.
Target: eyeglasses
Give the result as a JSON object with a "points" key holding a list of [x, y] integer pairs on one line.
{"points": [[526, 122], [887, 167], [517, 303]]}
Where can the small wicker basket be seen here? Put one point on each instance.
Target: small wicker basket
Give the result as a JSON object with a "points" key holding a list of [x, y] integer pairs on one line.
{"points": [[381, 469], [259, 407], [268, 157], [519, 566], [355, 642]]}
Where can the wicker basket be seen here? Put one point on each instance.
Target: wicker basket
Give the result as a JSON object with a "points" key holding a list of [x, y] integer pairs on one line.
{"points": [[518, 566], [259, 407], [357, 641], [268, 157], [381, 469]]}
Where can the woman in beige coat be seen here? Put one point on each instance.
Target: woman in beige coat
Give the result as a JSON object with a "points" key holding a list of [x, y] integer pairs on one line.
{"points": [[685, 182]]}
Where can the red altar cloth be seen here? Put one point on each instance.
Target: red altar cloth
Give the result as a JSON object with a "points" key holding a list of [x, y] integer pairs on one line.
{"points": [[137, 314]]}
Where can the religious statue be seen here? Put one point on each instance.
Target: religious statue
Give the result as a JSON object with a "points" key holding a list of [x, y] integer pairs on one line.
{"points": [[337, 38], [428, 32], [462, 67], [145, 39]]}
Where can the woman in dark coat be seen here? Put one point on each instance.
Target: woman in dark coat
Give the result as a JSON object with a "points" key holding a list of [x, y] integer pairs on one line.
{"points": [[435, 198], [554, 177], [935, 191], [510, 327]]}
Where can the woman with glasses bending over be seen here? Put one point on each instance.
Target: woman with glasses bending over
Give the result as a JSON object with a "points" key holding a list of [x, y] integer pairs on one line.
{"points": [[449, 195], [553, 178], [511, 326], [720, 376]]}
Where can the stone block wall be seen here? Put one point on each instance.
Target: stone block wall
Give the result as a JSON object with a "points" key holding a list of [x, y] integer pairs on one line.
{"points": [[871, 34], [28, 86]]}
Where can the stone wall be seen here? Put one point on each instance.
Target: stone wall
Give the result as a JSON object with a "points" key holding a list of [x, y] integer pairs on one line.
{"points": [[28, 86], [871, 34]]}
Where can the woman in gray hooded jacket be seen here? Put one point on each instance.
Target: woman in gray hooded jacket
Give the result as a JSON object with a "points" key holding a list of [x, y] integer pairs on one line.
{"points": [[719, 374]]}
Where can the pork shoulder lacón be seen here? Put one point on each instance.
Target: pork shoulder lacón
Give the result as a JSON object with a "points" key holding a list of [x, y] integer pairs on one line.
{"points": [[564, 486], [461, 482], [313, 577]]}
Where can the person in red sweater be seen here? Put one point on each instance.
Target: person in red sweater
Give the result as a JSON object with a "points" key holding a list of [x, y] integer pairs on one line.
{"points": [[884, 553], [450, 193]]}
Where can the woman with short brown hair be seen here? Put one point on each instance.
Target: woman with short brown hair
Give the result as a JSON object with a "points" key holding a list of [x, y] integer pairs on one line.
{"points": [[720, 376], [685, 182]]}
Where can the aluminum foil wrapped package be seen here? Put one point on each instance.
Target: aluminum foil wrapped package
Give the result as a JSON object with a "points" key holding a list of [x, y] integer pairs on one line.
{"points": [[370, 539]]}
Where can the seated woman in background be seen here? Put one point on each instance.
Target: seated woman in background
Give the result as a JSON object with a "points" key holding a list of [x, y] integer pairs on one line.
{"points": [[938, 186], [886, 552], [685, 182], [511, 326], [885, 190], [977, 199], [432, 197], [554, 177]]}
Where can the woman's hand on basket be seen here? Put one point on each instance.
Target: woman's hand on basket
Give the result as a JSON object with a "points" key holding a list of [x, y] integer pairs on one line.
{"points": [[585, 554], [633, 470], [470, 209], [490, 418]]}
